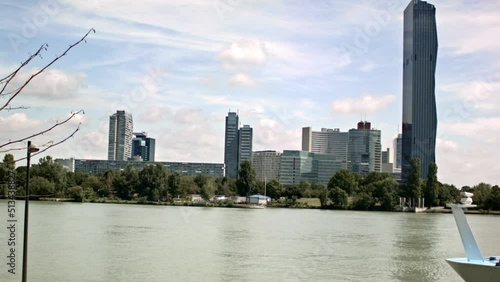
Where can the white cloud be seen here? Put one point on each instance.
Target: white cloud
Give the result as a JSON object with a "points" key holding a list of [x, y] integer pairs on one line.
{"points": [[244, 53], [364, 104], [241, 79], [50, 84], [446, 146], [478, 25]]}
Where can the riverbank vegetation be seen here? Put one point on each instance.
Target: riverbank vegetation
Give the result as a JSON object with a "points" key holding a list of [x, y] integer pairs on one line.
{"points": [[155, 184]]}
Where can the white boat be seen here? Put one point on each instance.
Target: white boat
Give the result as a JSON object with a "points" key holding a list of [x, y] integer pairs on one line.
{"points": [[475, 267]]}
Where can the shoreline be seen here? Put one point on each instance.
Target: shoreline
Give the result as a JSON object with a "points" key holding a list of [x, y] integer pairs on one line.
{"points": [[236, 205]]}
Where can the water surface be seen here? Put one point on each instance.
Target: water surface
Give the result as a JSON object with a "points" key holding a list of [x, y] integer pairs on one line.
{"points": [[109, 242]]}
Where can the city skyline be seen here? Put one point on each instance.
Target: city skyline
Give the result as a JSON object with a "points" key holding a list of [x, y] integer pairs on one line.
{"points": [[284, 65]]}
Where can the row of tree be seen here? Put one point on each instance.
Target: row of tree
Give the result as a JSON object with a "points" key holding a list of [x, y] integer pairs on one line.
{"points": [[345, 190]]}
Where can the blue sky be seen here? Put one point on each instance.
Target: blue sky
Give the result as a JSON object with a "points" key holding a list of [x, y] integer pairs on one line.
{"points": [[179, 66]]}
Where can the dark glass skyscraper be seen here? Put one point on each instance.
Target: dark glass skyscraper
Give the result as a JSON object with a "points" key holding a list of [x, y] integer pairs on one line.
{"points": [[245, 137], [143, 147], [231, 145], [419, 101]]}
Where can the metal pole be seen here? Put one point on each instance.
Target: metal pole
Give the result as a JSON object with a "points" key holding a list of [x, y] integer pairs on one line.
{"points": [[26, 212]]}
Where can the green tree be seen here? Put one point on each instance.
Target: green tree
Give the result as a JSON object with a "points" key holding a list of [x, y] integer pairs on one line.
{"points": [[339, 198], [174, 185], [76, 192], [431, 186], [447, 194], [125, 183], [344, 180], [93, 182], [188, 186], [41, 186], [7, 168], [205, 186], [363, 201], [481, 192], [52, 171], [8, 162], [293, 191], [152, 182], [246, 181], [107, 179], [273, 189], [493, 201], [414, 183], [223, 186], [385, 193]]}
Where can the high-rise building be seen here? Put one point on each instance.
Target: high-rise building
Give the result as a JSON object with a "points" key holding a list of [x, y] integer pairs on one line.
{"points": [[385, 156], [143, 147], [231, 146], [298, 166], [419, 101], [397, 148], [120, 136], [327, 141], [266, 165], [245, 137], [364, 155], [387, 165]]}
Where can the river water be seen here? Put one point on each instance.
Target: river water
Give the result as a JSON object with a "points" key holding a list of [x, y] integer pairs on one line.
{"points": [[108, 242]]}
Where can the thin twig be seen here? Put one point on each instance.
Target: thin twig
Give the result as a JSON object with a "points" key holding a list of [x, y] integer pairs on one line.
{"points": [[73, 114], [12, 75], [52, 145]]}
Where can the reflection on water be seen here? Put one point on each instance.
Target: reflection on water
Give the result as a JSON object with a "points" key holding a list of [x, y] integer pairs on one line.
{"points": [[99, 242]]}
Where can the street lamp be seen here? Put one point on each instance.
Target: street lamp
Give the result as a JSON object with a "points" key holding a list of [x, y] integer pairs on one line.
{"points": [[31, 149]]}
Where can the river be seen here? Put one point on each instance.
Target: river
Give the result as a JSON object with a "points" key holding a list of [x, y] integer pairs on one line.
{"points": [[109, 242]]}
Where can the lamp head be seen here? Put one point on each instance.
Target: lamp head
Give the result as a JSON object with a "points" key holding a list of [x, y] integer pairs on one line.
{"points": [[32, 148]]}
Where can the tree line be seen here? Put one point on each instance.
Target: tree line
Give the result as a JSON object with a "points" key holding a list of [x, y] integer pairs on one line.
{"points": [[345, 190]]}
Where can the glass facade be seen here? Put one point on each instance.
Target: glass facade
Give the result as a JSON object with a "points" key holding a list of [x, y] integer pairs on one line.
{"points": [[365, 150], [120, 136], [231, 146], [298, 166], [245, 137], [143, 147], [419, 102], [191, 169]]}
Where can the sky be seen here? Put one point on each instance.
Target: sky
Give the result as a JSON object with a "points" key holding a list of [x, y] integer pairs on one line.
{"points": [[179, 66]]}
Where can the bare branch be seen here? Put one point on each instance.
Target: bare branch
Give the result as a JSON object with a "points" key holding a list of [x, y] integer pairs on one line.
{"points": [[54, 144], [73, 114], [9, 77], [12, 75], [16, 108]]}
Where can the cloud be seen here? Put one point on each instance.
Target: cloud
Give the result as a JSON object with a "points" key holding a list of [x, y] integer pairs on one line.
{"points": [[479, 23], [474, 95], [243, 55], [224, 100], [475, 128], [50, 84], [241, 79], [446, 146], [365, 104], [155, 113]]}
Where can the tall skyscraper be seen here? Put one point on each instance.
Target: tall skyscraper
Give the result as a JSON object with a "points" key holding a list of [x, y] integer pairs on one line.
{"points": [[120, 136], [364, 155], [327, 141], [231, 146], [397, 148], [143, 147], [245, 137], [419, 101]]}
